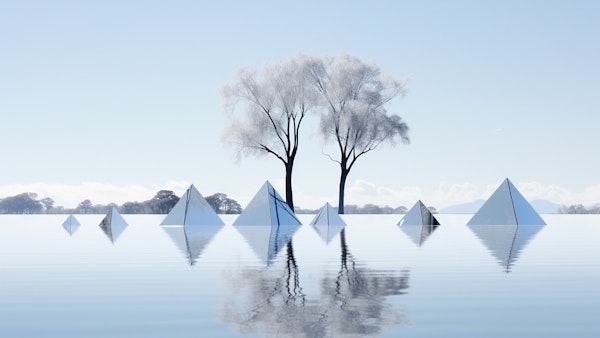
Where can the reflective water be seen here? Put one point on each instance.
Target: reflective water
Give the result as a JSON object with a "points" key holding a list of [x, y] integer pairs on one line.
{"points": [[371, 279]]}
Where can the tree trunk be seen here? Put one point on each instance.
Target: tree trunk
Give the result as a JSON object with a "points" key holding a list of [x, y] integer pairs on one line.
{"points": [[343, 176], [289, 199]]}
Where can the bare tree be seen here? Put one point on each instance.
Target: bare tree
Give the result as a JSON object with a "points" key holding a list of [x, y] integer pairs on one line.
{"points": [[354, 95], [274, 101]]}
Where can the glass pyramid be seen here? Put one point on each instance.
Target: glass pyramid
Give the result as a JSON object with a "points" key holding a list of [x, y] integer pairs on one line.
{"points": [[71, 224], [418, 223], [192, 209], [267, 208], [327, 223], [506, 206], [267, 223], [419, 214], [113, 225]]}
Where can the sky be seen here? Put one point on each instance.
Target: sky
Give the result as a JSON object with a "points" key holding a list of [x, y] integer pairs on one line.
{"points": [[115, 100]]}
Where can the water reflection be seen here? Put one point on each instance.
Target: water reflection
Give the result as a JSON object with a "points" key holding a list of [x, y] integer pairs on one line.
{"points": [[350, 301], [71, 224], [192, 240], [267, 240], [419, 233], [505, 242]]}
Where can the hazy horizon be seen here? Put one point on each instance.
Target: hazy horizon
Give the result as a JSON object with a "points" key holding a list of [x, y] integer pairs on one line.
{"points": [[364, 192]]}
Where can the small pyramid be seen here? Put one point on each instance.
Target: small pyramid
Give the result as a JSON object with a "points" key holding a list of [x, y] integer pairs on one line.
{"points": [[327, 223], [71, 224], [418, 223], [419, 214], [267, 208], [113, 224], [506, 206], [192, 209]]}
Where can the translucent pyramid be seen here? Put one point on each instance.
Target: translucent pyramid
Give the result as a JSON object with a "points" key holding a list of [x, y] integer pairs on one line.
{"points": [[71, 224], [505, 242], [418, 223], [192, 240], [506, 206], [113, 224], [192, 209], [328, 223], [267, 208]]}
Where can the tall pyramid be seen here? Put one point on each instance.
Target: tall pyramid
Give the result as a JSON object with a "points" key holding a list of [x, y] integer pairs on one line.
{"points": [[192, 209], [267, 223], [418, 223], [267, 208], [506, 206], [71, 224], [113, 224], [327, 223]]}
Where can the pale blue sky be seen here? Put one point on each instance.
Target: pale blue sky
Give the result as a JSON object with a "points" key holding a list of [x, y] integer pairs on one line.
{"points": [[127, 93]]}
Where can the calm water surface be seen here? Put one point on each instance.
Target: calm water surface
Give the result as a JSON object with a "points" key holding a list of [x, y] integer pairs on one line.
{"points": [[374, 279]]}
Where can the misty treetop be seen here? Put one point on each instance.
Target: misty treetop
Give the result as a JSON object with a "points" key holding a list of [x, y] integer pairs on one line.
{"points": [[353, 95], [24, 203], [267, 106], [274, 101]]}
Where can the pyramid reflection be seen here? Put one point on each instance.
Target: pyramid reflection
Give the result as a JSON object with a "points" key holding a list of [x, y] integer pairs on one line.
{"points": [[505, 242], [267, 241], [192, 240], [418, 233]]}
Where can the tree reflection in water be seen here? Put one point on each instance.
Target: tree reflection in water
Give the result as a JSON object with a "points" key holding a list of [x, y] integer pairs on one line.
{"points": [[351, 302]]}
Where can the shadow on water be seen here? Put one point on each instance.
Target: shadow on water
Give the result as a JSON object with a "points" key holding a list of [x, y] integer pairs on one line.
{"points": [[351, 301]]}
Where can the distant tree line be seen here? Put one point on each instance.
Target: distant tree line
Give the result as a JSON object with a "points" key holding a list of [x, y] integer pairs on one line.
{"points": [[161, 203], [578, 209]]}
